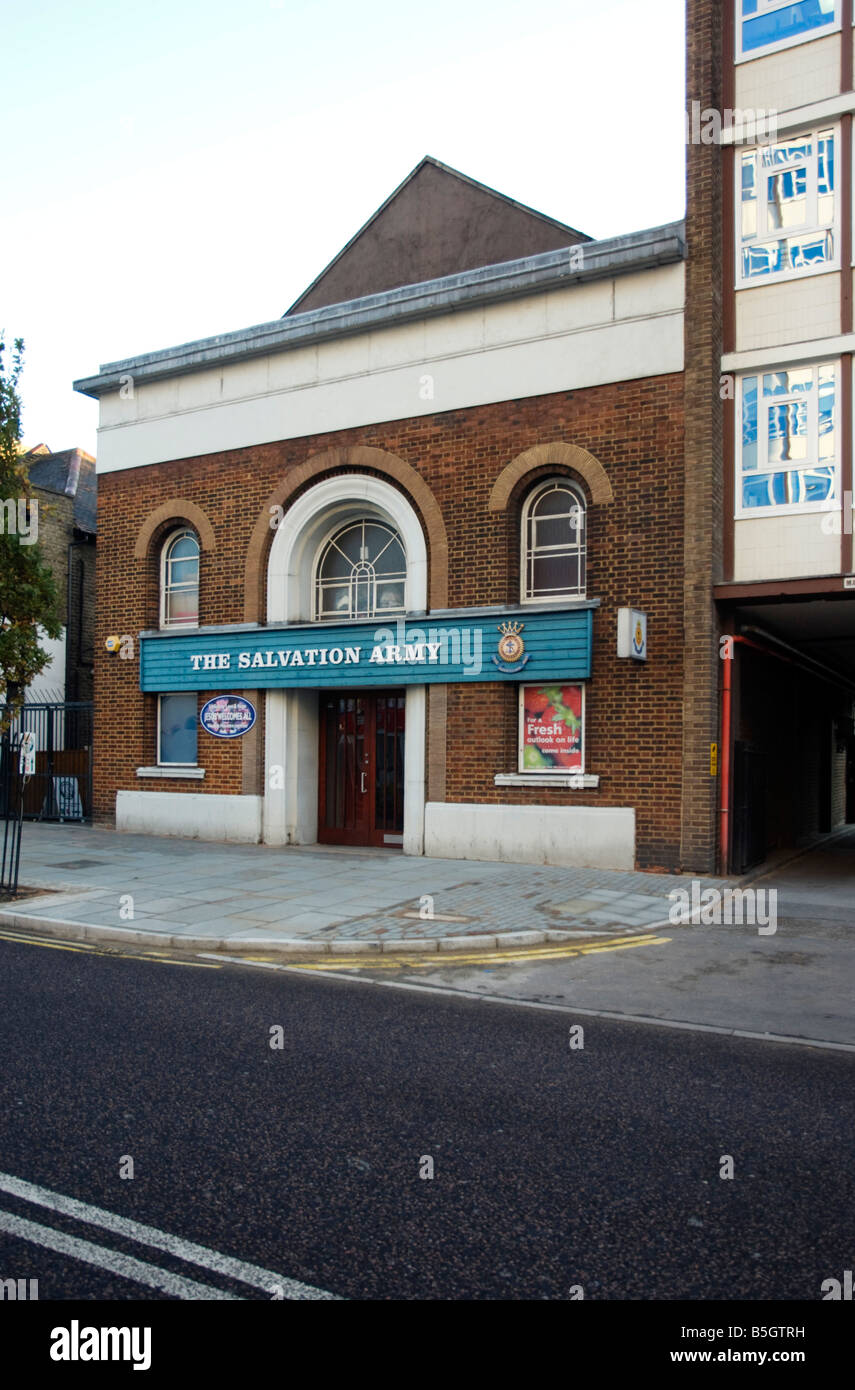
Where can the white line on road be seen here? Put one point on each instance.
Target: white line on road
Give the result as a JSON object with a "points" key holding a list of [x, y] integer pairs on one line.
{"points": [[271, 1282], [509, 1001], [112, 1260]]}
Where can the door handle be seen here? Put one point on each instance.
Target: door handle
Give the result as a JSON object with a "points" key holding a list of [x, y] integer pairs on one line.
{"points": [[363, 787]]}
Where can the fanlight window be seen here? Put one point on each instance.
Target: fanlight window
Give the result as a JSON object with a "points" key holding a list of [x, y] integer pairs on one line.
{"points": [[179, 587], [554, 543], [361, 573]]}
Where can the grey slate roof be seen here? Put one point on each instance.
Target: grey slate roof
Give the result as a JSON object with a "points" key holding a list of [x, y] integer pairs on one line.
{"points": [[70, 472]]}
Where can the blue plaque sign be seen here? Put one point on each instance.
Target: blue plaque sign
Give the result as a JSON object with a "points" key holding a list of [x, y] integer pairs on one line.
{"points": [[227, 716]]}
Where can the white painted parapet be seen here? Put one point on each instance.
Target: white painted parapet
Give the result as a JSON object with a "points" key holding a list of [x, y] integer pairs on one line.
{"points": [[190, 815], [585, 837]]}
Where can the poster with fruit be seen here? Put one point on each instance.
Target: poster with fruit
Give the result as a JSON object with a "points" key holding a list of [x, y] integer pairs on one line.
{"points": [[552, 728]]}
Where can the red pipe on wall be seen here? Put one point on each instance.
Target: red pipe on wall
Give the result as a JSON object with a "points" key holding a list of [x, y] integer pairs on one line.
{"points": [[726, 696]]}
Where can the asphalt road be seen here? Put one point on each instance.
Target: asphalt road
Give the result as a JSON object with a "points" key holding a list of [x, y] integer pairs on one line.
{"points": [[553, 1167]]}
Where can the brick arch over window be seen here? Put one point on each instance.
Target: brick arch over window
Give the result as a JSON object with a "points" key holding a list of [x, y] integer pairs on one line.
{"points": [[584, 465], [176, 510], [355, 457]]}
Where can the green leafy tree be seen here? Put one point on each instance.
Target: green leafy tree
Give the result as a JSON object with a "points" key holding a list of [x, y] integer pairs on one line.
{"points": [[29, 603]]}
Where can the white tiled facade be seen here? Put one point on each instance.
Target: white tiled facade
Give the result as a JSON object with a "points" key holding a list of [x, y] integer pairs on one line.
{"points": [[791, 318]]}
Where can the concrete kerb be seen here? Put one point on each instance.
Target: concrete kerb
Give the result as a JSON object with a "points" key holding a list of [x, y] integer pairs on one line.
{"points": [[77, 931], [67, 930]]}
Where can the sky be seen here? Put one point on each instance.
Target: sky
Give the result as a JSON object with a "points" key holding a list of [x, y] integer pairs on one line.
{"points": [[177, 170]]}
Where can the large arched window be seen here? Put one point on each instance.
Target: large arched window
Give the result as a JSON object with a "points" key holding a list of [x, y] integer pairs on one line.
{"points": [[553, 542], [361, 572], [179, 580]]}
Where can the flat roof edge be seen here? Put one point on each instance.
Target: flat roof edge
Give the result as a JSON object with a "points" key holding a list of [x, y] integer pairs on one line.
{"points": [[562, 268]]}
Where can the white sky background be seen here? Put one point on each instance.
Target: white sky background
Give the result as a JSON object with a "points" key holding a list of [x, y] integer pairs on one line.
{"points": [[175, 170]]}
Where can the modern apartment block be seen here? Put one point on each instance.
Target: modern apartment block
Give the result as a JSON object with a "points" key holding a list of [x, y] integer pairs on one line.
{"points": [[770, 88]]}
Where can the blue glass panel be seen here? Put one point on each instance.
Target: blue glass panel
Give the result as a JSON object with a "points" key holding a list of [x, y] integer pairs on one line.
{"points": [[779, 156], [749, 423], [788, 184], [825, 165], [826, 404], [813, 250], [760, 491], [749, 6], [827, 443], [792, 487], [788, 23], [177, 729], [817, 484], [790, 253]]}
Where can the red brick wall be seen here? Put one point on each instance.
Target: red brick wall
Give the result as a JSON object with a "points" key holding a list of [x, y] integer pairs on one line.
{"points": [[635, 430]]}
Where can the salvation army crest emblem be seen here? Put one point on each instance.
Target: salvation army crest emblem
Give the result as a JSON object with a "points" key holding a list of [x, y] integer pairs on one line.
{"points": [[512, 656]]}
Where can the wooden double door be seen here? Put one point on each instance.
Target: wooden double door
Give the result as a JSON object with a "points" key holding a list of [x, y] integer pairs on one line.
{"points": [[361, 781]]}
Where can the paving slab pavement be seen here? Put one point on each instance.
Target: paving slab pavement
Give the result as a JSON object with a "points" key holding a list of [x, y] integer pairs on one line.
{"points": [[315, 897]]}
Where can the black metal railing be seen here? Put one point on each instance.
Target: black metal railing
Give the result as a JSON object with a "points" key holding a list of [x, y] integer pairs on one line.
{"points": [[60, 788]]}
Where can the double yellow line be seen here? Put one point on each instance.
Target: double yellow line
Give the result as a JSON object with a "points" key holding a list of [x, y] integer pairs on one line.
{"points": [[436, 959], [428, 960], [51, 945]]}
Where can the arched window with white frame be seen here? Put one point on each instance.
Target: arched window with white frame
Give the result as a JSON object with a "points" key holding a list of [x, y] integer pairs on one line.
{"points": [[361, 573], [179, 580], [554, 543]]}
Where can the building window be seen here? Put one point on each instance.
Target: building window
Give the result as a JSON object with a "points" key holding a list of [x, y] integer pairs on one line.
{"points": [[788, 454], [179, 580], [553, 543], [361, 573], [787, 208], [766, 25], [176, 730]]}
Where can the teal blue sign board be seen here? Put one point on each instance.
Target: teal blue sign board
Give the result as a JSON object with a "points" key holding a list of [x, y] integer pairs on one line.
{"points": [[452, 648]]}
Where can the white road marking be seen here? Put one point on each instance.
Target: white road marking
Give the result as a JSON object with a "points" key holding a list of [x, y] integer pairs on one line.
{"points": [[112, 1260], [269, 1280], [508, 1001]]}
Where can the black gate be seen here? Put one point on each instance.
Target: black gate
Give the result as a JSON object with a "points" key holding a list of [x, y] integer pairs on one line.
{"points": [[12, 787], [60, 789], [749, 807]]}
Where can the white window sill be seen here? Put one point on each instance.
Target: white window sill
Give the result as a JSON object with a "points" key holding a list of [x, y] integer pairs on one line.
{"points": [[172, 770], [575, 781], [556, 599], [776, 512]]}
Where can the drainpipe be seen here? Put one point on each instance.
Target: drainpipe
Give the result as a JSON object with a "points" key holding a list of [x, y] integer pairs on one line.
{"points": [[724, 834]]}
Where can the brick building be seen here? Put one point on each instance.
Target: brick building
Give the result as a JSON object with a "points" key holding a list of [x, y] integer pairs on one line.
{"points": [[64, 485], [373, 557]]}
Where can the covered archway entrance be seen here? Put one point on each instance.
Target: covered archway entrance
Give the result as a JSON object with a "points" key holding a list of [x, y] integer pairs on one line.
{"points": [[792, 700]]}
